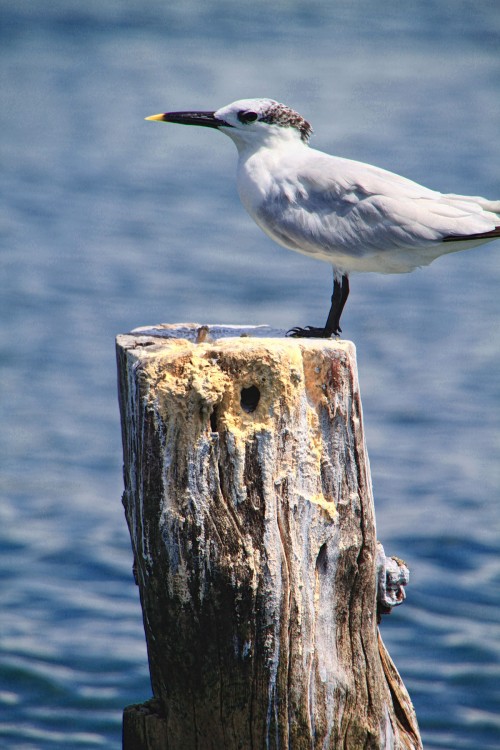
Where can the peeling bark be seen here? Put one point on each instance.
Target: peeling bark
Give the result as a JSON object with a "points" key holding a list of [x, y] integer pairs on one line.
{"points": [[249, 504]]}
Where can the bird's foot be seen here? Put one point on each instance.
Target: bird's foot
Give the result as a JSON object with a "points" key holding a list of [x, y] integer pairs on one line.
{"points": [[312, 332]]}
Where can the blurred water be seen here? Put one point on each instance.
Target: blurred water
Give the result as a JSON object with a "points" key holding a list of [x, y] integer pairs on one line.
{"points": [[109, 222]]}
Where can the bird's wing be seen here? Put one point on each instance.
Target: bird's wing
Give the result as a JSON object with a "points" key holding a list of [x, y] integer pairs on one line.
{"points": [[337, 208], [383, 199]]}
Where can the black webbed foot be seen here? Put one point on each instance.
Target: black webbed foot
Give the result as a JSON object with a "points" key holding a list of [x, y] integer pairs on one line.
{"points": [[332, 325], [311, 332]]}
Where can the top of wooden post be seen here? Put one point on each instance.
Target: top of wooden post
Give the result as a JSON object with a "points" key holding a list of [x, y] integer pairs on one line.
{"points": [[200, 332]]}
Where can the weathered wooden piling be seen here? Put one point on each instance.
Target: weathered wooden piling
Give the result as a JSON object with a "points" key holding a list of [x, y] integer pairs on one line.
{"points": [[249, 504]]}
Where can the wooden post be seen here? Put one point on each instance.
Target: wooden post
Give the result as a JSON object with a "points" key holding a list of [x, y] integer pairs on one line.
{"points": [[249, 504]]}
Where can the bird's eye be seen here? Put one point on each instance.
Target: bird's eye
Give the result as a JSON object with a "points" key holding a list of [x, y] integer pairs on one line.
{"points": [[247, 116]]}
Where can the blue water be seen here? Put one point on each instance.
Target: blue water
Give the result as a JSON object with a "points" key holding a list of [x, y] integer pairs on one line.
{"points": [[109, 222]]}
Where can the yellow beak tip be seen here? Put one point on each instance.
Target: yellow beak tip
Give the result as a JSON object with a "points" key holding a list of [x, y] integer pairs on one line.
{"points": [[159, 118]]}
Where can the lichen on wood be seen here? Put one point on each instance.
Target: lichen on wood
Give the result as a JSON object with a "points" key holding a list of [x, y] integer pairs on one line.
{"points": [[249, 504]]}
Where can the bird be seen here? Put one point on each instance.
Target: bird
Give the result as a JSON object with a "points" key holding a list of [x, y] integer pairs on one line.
{"points": [[354, 216]]}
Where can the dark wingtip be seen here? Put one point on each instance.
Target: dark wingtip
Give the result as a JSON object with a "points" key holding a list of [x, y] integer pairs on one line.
{"points": [[491, 235]]}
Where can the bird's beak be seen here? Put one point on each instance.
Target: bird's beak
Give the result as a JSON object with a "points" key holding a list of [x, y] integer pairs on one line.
{"points": [[207, 119]]}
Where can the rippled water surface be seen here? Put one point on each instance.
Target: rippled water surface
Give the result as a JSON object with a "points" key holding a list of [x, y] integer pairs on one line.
{"points": [[109, 222]]}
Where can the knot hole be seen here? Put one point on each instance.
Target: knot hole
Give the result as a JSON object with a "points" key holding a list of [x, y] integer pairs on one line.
{"points": [[249, 398]]}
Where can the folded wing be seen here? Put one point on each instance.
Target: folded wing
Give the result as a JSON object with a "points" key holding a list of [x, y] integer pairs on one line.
{"points": [[364, 218]]}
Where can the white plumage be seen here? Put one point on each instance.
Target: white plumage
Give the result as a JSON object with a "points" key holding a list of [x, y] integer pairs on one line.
{"points": [[355, 216]]}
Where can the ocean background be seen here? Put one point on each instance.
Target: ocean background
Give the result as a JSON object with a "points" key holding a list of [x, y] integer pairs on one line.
{"points": [[108, 222]]}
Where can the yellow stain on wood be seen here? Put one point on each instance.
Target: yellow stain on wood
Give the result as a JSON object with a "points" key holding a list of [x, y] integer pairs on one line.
{"points": [[190, 382], [328, 506]]}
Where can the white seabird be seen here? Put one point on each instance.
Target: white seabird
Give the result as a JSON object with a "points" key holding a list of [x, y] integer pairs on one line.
{"points": [[355, 216]]}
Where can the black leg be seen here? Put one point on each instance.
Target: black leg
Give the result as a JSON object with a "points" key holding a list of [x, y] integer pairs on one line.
{"points": [[332, 325]]}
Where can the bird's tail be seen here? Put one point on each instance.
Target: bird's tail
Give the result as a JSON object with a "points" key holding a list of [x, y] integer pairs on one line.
{"points": [[491, 211]]}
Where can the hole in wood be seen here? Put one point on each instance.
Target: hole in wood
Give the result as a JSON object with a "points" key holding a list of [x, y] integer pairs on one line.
{"points": [[322, 559], [213, 420], [249, 398]]}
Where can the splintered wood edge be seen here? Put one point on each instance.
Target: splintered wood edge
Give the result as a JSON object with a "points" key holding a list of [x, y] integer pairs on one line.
{"points": [[403, 707]]}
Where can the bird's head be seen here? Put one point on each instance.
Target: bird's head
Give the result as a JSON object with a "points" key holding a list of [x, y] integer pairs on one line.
{"points": [[247, 121]]}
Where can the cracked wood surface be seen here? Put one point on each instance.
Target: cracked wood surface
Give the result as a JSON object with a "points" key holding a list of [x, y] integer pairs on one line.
{"points": [[249, 504]]}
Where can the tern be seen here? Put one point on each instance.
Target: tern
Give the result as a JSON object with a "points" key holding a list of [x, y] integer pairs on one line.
{"points": [[355, 216]]}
